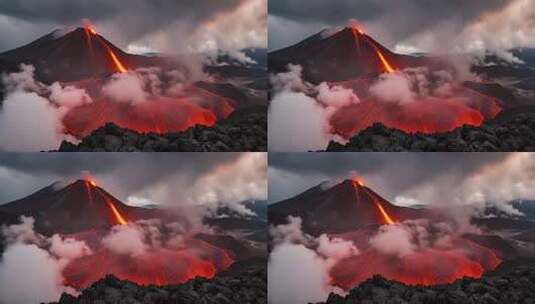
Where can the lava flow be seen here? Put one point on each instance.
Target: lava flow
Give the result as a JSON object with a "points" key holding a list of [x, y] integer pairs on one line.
{"points": [[159, 266], [359, 184], [358, 32], [118, 64], [388, 219], [425, 114], [427, 266]]}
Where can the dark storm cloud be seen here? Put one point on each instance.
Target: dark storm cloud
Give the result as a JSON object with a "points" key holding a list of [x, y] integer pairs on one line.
{"points": [[121, 174], [394, 20], [126, 20], [392, 173]]}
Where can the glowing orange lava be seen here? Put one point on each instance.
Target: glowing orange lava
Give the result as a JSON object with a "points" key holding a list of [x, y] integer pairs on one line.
{"points": [[429, 266], [92, 29], [160, 266], [120, 67], [386, 64], [120, 219], [385, 214]]}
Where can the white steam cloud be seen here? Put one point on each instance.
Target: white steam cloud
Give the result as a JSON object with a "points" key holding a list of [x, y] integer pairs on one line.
{"points": [[35, 262], [310, 259]]}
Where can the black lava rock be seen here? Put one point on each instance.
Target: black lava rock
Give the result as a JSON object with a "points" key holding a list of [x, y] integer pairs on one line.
{"points": [[247, 287], [244, 130], [515, 134], [515, 287]]}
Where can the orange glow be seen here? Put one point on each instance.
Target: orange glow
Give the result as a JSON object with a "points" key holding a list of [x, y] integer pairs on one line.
{"points": [[92, 29], [120, 219], [386, 64], [385, 214], [358, 29], [92, 183], [120, 67], [118, 64], [358, 182]]}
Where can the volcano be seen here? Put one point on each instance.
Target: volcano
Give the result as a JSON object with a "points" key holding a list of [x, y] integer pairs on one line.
{"points": [[351, 59], [73, 208], [343, 207], [337, 55], [75, 55]]}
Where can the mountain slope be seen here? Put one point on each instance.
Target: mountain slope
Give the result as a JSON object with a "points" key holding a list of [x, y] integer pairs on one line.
{"points": [[338, 56], [74, 56], [346, 206], [77, 207]]}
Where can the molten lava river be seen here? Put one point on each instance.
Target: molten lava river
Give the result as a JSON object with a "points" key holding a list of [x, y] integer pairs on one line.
{"points": [[426, 115], [158, 266], [426, 266], [160, 115]]}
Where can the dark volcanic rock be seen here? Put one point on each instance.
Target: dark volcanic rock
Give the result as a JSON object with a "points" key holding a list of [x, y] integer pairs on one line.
{"points": [[243, 130], [249, 286], [514, 134], [517, 286]]}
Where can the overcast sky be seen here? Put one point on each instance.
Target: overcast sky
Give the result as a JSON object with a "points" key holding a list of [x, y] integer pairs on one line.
{"points": [[438, 26], [163, 178], [406, 178], [161, 25]]}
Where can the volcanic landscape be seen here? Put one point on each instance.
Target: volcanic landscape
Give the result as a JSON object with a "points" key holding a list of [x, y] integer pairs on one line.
{"points": [[377, 252], [175, 264], [357, 81], [148, 102]]}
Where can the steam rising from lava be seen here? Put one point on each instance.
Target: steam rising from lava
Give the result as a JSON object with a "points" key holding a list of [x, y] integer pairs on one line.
{"points": [[412, 100], [146, 252], [143, 100], [411, 251]]}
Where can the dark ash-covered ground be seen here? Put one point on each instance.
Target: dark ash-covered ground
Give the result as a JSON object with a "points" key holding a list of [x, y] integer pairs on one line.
{"points": [[515, 287], [514, 134], [247, 286], [243, 130]]}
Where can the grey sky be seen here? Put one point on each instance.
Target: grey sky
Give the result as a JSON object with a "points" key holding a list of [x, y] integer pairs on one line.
{"points": [[425, 177], [167, 178], [163, 25], [418, 23]]}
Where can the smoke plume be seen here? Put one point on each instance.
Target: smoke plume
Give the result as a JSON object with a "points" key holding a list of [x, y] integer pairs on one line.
{"points": [[310, 259]]}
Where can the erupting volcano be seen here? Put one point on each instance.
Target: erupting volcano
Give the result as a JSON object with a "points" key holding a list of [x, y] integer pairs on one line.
{"points": [[412, 246], [351, 59], [158, 103], [132, 243], [343, 207], [91, 32]]}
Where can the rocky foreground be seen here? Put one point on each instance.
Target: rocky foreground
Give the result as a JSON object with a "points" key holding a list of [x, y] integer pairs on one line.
{"points": [[516, 134], [516, 287], [248, 287], [243, 131]]}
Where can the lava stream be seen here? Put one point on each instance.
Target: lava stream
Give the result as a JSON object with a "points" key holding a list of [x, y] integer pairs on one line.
{"points": [[386, 64], [118, 64], [116, 213], [119, 218], [385, 214]]}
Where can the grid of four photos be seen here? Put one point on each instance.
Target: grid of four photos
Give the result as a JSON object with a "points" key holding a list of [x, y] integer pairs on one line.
{"points": [[267, 151]]}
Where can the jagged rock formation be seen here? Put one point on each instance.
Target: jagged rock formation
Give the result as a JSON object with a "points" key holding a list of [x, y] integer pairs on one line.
{"points": [[249, 286], [517, 286], [241, 131], [515, 134]]}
